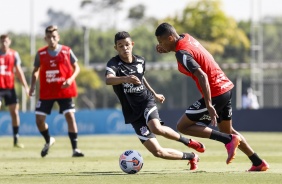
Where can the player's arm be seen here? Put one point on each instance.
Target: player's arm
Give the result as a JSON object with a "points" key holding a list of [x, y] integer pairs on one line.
{"points": [[187, 60], [20, 74], [158, 97], [76, 70], [34, 75], [111, 79]]}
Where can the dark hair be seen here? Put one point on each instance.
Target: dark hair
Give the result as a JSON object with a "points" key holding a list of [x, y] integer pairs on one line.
{"points": [[164, 29], [51, 29], [121, 35], [4, 36]]}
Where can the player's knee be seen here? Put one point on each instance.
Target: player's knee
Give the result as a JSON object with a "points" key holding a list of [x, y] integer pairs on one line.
{"points": [[179, 128], [157, 153], [156, 130]]}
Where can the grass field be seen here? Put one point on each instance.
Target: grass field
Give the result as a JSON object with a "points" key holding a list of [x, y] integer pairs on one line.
{"points": [[100, 164]]}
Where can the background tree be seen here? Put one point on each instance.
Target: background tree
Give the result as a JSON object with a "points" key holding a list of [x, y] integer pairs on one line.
{"points": [[206, 21], [63, 20]]}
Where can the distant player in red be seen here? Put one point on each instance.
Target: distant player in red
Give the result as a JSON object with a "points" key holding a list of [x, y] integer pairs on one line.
{"points": [[215, 105], [57, 67], [10, 60]]}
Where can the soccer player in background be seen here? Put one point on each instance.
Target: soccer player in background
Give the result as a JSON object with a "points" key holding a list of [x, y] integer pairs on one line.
{"points": [[57, 67], [215, 105], [125, 72], [10, 60]]}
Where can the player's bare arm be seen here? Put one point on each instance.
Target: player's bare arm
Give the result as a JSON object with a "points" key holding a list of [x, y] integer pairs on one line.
{"points": [[114, 80], [21, 77], [204, 83], [34, 77], [159, 97]]}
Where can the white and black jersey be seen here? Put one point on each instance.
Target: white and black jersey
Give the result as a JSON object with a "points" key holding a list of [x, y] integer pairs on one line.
{"points": [[134, 98]]}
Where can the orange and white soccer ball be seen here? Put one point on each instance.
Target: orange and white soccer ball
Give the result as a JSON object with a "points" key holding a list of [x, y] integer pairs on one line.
{"points": [[130, 162]]}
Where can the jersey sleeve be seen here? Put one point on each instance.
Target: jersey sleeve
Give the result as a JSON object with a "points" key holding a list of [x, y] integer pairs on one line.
{"points": [[17, 59], [187, 60], [111, 67], [36, 61], [73, 58]]}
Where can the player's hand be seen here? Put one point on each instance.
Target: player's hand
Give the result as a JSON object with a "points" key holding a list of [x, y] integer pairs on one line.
{"points": [[133, 79], [160, 97], [213, 115], [160, 49], [31, 91], [67, 83]]}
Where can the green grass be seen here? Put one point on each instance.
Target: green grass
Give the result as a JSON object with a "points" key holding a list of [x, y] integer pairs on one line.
{"points": [[100, 164]]}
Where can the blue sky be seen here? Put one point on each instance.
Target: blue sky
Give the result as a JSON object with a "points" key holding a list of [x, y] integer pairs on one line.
{"points": [[16, 14]]}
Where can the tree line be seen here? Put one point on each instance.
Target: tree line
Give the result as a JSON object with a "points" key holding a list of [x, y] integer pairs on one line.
{"points": [[225, 38]]}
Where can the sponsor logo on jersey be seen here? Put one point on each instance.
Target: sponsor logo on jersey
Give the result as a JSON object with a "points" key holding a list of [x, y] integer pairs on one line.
{"points": [[130, 88], [51, 76], [3, 70]]}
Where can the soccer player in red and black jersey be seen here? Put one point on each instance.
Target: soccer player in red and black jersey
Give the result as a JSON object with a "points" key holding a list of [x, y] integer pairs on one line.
{"points": [[215, 105], [57, 67], [10, 60], [125, 72]]}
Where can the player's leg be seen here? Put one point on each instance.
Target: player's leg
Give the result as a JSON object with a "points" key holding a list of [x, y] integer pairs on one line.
{"points": [[155, 126], [67, 108], [14, 112], [155, 148], [13, 106], [257, 163], [149, 140], [199, 113], [43, 108]]}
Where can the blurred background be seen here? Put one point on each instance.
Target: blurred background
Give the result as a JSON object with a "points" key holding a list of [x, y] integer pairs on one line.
{"points": [[244, 36]]}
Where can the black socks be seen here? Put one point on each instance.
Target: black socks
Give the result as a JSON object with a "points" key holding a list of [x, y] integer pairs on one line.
{"points": [[255, 159], [73, 139], [16, 134], [46, 135], [188, 156], [221, 137], [184, 140]]}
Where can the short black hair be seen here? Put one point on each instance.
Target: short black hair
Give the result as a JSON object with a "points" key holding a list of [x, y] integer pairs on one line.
{"points": [[164, 29], [4, 36], [51, 29], [121, 35]]}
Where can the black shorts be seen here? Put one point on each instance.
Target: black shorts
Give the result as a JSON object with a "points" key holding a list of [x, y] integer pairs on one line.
{"points": [[44, 107], [222, 104], [9, 96], [140, 126]]}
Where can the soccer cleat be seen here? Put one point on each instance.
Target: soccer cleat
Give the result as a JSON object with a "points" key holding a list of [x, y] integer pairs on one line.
{"points": [[47, 146], [262, 167], [196, 146], [194, 162], [231, 147], [77, 153], [18, 145]]}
